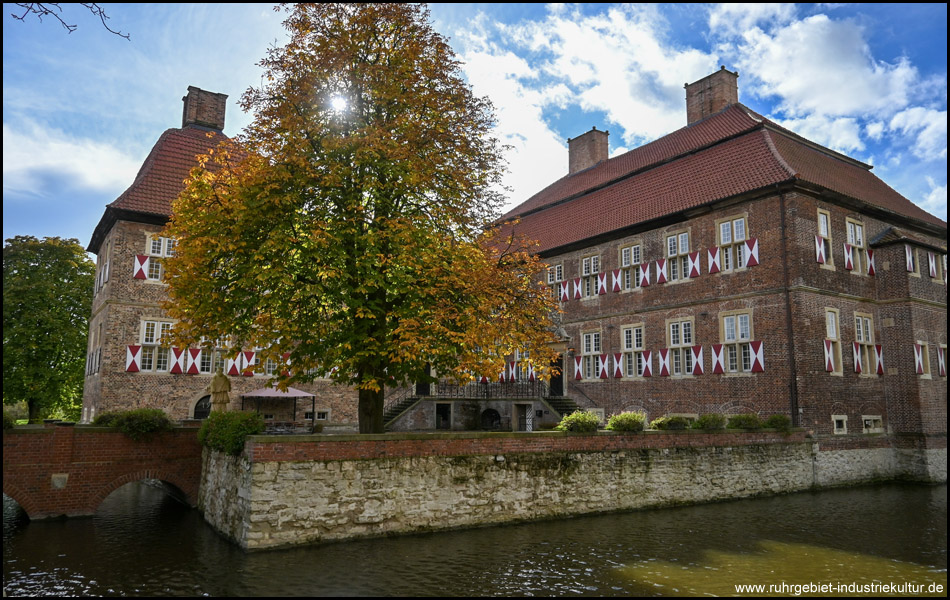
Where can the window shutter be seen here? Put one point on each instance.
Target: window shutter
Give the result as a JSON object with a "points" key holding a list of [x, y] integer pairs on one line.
{"points": [[820, 249], [751, 249], [141, 266], [503, 376], [194, 361], [857, 358], [829, 356], [664, 362], [247, 363], [618, 365], [178, 361], [758, 357], [661, 270], [713, 260], [234, 365], [848, 257], [565, 291], [578, 371], [870, 262], [615, 280], [694, 264], [647, 363], [602, 284], [133, 359], [879, 359], [577, 288], [919, 359], [718, 363], [602, 366], [512, 369], [644, 274], [531, 376], [932, 259], [697, 352], [286, 371], [941, 362], [909, 253]]}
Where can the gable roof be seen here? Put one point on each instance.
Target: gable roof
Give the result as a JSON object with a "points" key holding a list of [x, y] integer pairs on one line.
{"points": [[160, 179], [733, 152]]}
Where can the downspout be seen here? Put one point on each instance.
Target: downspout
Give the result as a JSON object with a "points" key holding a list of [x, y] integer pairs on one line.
{"points": [[793, 371]]}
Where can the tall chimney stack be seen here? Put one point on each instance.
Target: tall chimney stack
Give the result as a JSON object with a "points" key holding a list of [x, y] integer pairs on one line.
{"points": [[711, 94], [205, 109], [586, 150]]}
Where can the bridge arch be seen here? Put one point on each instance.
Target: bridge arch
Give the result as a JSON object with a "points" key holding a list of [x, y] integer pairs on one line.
{"points": [[174, 485], [21, 497]]}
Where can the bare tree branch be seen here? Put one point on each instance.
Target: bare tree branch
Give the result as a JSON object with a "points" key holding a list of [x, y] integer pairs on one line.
{"points": [[53, 9]]}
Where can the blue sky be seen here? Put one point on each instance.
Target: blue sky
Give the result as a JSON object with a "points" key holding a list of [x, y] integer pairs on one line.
{"points": [[81, 111]]}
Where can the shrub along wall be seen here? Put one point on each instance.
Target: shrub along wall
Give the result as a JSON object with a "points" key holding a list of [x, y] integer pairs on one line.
{"points": [[306, 490]]}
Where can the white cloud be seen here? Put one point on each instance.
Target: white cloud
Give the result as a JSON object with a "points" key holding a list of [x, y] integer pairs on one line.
{"points": [[929, 128], [730, 19], [842, 134], [936, 201], [32, 153], [824, 67]]}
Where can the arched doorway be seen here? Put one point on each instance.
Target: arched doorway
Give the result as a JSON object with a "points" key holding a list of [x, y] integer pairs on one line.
{"points": [[203, 408], [491, 420]]}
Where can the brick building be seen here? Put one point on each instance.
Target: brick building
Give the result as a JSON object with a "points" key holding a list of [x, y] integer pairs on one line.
{"points": [[733, 266], [126, 365]]}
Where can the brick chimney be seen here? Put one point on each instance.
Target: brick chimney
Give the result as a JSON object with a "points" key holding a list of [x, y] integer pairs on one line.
{"points": [[202, 108], [586, 150], [711, 94]]}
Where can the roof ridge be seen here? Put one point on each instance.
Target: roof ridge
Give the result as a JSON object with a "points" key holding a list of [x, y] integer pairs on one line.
{"points": [[778, 155]]}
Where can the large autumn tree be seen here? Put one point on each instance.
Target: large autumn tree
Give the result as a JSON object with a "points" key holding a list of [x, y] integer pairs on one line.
{"points": [[47, 299], [349, 225]]}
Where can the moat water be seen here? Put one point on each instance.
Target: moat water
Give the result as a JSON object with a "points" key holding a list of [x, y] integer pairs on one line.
{"points": [[141, 542]]}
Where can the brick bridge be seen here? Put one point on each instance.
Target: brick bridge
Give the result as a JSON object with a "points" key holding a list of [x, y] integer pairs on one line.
{"points": [[54, 471]]}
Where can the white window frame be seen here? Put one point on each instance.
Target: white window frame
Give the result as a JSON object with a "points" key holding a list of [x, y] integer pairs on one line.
{"points": [[680, 336], [631, 257], [677, 255], [155, 357], [856, 240], [864, 336], [824, 230], [834, 337], [631, 340], [731, 242], [736, 337], [590, 353]]}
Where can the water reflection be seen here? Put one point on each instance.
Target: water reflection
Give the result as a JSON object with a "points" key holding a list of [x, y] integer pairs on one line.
{"points": [[142, 542]]}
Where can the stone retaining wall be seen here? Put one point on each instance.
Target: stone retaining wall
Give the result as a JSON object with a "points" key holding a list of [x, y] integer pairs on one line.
{"points": [[284, 490]]}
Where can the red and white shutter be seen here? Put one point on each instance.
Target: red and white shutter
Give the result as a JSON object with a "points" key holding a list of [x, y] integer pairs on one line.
{"points": [[932, 259], [234, 365], [858, 367], [909, 253], [141, 267], [512, 370], [879, 359], [694, 264], [565, 291], [503, 376], [578, 370], [193, 361], [718, 362], [697, 352], [829, 356], [133, 359], [871, 269], [751, 249], [602, 371], [919, 359], [577, 288], [482, 379], [247, 363], [618, 365], [820, 249], [178, 361], [647, 363], [664, 362], [644, 274], [286, 358], [941, 362], [531, 376], [615, 278], [661, 270], [713, 260], [848, 257], [601, 284], [758, 357]]}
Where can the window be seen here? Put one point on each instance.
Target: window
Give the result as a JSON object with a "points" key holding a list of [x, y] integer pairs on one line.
{"points": [[270, 366], [630, 267], [912, 261], [590, 267], [591, 353], [732, 236], [832, 342], [555, 273], [824, 230], [632, 343], [922, 354], [677, 254], [864, 337], [840, 424], [154, 356], [872, 423], [158, 248], [680, 343], [856, 241], [736, 335]]}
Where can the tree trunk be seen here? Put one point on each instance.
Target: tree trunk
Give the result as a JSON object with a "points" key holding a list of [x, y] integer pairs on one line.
{"points": [[371, 411], [33, 406]]}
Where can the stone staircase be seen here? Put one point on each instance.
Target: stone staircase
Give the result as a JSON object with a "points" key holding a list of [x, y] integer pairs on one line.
{"points": [[562, 404], [397, 409]]}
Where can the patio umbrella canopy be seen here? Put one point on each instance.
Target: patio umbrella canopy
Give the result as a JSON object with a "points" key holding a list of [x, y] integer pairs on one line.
{"points": [[273, 393]]}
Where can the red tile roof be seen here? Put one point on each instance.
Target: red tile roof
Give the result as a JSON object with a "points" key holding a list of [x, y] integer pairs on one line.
{"points": [[732, 152]]}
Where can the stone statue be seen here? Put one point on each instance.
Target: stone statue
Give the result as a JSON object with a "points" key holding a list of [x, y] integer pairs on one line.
{"points": [[219, 388]]}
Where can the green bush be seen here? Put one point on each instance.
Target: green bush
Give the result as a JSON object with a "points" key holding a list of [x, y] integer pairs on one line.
{"points": [[749, 421], [106, 419], [579, 422], [710, 422], [627, 421], [670, 423], [226, 431], [8, 421], [779, 422], [141, 423]]}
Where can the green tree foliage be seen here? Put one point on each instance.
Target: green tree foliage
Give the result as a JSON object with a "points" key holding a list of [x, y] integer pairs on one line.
{"points": [[349, 225], [47, 299]]}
